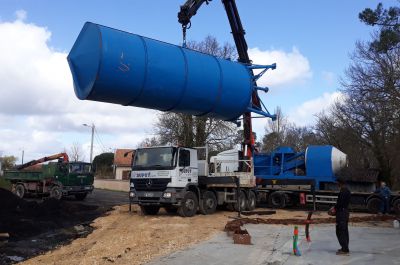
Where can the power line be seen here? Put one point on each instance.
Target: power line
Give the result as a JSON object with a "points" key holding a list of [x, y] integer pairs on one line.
{"points": [[98, 139]]}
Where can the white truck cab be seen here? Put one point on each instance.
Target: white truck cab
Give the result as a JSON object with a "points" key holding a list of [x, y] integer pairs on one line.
{"points": [[156, 165]]}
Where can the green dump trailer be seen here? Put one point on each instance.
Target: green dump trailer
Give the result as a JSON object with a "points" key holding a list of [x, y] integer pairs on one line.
{"points": [[55, 179]]}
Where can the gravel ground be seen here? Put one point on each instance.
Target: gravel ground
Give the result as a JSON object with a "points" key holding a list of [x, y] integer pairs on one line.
{"points": [[122, 237], [130, 238]]}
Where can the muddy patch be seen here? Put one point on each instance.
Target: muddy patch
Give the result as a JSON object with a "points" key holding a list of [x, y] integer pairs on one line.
{"points": [[31, 227]]}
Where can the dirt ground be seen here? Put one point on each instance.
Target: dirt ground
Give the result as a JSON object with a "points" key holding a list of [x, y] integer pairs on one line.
{"points": [[36, 225], [131, 238]]}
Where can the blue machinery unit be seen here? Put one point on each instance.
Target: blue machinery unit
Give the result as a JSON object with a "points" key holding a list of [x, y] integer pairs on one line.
{"points": [[319, 164], [110, 65]]}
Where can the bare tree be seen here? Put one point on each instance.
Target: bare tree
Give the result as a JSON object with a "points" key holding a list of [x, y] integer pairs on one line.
{"points": [[283, 133], [149, 142], [76, 152], [366, 124]]}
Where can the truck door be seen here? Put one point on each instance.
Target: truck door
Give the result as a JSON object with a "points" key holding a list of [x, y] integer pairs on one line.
{"points": [[194, 165], [185, 166]]}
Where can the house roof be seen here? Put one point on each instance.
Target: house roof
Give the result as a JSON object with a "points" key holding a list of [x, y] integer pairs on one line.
{"points": [[121, 160]]}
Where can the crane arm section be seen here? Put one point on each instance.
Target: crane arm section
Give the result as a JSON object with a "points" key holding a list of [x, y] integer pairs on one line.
{"points": [[64, 156], [187, 11]]}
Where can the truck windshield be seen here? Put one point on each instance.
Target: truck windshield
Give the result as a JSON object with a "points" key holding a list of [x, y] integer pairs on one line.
{"points": [[160, 157], [79, 168]]}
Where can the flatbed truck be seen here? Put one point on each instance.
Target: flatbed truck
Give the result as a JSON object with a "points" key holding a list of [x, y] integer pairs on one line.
{"points": [[174, 178]]}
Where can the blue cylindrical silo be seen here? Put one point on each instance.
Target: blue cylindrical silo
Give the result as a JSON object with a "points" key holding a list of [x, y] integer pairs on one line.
{"points": [[110, 65]]}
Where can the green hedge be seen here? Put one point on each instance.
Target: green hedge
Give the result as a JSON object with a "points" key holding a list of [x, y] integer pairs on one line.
{"points": [[4, 184]]}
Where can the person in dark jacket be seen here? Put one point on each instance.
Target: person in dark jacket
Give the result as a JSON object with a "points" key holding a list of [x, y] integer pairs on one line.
{"points": [[384, 194], [342, 218]]}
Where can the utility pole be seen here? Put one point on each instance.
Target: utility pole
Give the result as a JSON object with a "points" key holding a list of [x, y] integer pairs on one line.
{"points": [[91, 143]]}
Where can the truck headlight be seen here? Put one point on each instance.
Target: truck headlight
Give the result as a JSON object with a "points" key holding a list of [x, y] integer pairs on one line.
{"points": [[132, 185], [132, 194], [167, 195]]}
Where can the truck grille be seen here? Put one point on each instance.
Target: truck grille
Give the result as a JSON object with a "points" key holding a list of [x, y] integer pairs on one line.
{"points": [[150, 184]]}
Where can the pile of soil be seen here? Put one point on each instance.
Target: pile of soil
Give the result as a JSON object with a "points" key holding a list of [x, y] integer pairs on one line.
{"points": [[31, 227], [235, 225], [21, 218]]}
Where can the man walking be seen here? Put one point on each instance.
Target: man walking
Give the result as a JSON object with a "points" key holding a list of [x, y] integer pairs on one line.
{"points": [[342, 218]]}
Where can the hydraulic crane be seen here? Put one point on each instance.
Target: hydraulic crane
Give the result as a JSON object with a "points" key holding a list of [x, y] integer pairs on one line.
{"points": [[64, 157], [187, 11]]}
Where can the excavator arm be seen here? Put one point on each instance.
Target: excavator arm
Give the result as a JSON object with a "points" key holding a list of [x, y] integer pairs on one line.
{"points": [[64, 156]]}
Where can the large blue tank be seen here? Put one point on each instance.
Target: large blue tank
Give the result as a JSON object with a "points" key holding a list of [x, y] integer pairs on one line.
{"points": [[114, 66]]}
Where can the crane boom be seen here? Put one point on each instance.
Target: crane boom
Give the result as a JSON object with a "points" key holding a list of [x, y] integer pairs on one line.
{"points": [[64, 156], [188, 10]]}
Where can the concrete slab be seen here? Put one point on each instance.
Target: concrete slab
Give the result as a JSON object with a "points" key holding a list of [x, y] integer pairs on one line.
{"points": [[272, 245]]}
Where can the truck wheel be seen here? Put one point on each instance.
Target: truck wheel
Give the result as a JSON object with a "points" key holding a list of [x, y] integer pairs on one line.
{"points": [[80, 196], [242, 201], [396, 206], [251, 201], [149, 209], [56, 193], [189, 205], [373, 205], [277, 200], [19, 190], [208, 204]]}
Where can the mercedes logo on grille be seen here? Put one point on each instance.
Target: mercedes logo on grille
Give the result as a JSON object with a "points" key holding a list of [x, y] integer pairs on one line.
{"points": [[149, 182]]}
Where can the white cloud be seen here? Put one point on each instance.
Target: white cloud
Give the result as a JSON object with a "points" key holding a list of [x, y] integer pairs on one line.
{"points": [[38, 109], [329, 77], [305, 113], [291, 66], [21, 15]]}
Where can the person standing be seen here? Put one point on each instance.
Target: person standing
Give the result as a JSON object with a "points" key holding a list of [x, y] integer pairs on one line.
{"points": [[342, 218], [384, 194]]}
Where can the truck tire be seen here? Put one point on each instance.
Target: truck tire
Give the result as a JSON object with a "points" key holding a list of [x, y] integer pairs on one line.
{"points": [[20, 190], [56, 192], [373, 205], [80, 196], [251, 201], [149, 209], [189, 205], [242, 201], [208, 204], [396, 206], [277, 200]]}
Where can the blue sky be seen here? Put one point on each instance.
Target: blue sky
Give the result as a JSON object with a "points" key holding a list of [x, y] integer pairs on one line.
{"points": [[322, 32]]}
